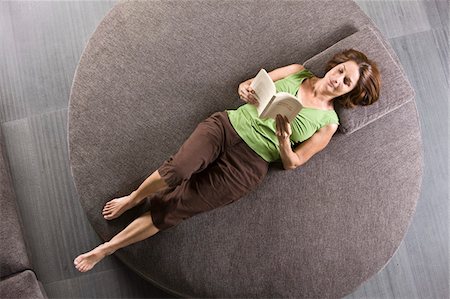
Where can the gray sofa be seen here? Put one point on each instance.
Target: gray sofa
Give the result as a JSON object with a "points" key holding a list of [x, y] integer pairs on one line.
{"points": [[153, 70], [18, 279]]}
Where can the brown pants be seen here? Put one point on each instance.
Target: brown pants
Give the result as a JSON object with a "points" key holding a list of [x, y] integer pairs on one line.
{"points": [[213, 168]]}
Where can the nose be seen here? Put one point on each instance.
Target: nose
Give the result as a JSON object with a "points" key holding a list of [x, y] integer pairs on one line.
{"points": [[334, 82], [337, 80]]}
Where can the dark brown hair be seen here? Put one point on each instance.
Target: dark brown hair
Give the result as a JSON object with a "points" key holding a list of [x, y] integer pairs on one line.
{"points": [[367, 89]]}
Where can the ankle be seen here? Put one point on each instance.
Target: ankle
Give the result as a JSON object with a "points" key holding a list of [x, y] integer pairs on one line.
{"points": [[106, 248], [134, 198]]}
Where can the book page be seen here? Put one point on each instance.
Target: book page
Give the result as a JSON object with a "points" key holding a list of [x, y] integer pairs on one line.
{"points": [[264, 89], [285, 104]]}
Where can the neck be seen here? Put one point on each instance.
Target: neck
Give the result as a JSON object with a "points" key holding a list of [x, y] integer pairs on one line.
{"points": [[320, 90]]}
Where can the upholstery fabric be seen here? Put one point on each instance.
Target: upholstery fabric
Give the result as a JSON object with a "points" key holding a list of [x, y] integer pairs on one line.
{"points": [[13, 253], [23, 285], [17, 280], [395, 91], [153, 70]]}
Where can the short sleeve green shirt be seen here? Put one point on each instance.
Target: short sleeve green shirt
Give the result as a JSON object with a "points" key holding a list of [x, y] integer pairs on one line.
{"points": [[259, 134]]}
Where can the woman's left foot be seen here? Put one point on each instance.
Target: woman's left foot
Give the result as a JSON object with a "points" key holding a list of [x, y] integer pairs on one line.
{"points": [[87, 261], [116, 207]]}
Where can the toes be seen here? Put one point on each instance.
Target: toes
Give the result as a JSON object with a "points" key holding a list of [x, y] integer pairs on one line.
{"points": [[108, 212], [85, 268], [109, 204], [78, 267], [109, 208], [78, 260]]}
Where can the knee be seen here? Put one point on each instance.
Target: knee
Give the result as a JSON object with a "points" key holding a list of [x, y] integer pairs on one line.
{"points": [[172, 175]]}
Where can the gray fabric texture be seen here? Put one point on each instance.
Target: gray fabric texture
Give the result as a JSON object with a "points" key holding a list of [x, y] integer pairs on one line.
{"points": [[153, 70], [17, 281], [395, 92], [22, 285], [13, 253]]}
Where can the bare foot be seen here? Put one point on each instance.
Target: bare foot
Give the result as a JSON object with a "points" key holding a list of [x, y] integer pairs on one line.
{"points": [[87, 261], [116, 207]]}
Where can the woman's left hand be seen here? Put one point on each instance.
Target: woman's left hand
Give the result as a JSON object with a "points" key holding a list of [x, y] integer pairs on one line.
{"points": [[284, 130]]}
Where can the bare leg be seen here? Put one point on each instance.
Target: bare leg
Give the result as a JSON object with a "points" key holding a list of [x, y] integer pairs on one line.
{"points": [[141, 228], [116, 207]]}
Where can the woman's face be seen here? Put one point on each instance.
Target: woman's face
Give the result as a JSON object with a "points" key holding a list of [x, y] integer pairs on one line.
{"points": [[342, 78]]}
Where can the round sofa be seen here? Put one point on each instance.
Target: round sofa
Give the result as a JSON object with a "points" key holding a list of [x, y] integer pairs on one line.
{"points": [[152, 70]]}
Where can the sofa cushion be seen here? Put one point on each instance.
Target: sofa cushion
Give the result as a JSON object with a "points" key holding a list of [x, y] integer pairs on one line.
{"points": [[22, 285], [13, 254], [395, 91]]}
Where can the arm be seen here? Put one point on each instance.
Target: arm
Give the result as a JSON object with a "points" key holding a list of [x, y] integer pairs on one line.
{"points": [[305, 150], [281, 72]]}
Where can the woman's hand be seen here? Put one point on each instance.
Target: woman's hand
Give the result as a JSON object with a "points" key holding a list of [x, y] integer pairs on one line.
{"points": [[246, 93], [284, 130]]}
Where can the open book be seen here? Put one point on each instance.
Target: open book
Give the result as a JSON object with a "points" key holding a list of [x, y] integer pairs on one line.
{"points": [[272, 103]]}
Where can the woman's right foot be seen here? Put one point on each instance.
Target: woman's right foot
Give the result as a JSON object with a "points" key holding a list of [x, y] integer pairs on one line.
{"points": [[116, 207]]}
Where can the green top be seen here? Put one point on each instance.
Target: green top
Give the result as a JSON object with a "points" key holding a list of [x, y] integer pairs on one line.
{"points": [[260, 134]]}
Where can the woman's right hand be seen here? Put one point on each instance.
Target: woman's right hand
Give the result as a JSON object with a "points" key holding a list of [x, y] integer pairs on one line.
{"points": [[246, 93]]}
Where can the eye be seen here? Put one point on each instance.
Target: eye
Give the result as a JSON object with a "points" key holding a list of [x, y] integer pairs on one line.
{"points": [[341, 71]]}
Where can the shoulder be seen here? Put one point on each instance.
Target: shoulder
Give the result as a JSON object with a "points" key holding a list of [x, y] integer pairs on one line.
{"points": [[329, 129]]}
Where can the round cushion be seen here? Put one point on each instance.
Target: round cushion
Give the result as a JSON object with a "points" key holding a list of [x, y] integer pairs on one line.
{"points": [[153, 70]]}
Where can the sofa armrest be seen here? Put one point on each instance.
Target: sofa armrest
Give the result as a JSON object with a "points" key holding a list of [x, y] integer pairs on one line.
{"points": [[22, 285]]}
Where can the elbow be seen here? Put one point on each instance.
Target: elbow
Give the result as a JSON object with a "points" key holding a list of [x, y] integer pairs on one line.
{"points": [[290, 168], [291, 160], [296, 164]]}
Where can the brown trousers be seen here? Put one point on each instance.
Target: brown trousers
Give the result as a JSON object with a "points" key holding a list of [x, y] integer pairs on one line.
{"points": [[213, 168]]}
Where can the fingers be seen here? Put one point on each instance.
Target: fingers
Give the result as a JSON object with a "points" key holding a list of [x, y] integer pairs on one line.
{"points": [[287, 127], [283, 126], [279, 125], [251, 94], [246, 93]]}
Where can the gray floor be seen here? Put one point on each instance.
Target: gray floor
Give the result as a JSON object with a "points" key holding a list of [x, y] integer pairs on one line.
{"points": [[41, 43]]}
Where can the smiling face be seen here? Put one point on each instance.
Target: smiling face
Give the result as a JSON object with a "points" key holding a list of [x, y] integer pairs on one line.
{"points": [[342, 78]]}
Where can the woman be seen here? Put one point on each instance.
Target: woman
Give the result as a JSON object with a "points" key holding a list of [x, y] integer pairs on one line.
{"points": [[228, 154]]}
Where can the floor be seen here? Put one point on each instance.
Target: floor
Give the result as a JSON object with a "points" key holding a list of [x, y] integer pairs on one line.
{"points": [[41, 45]]}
